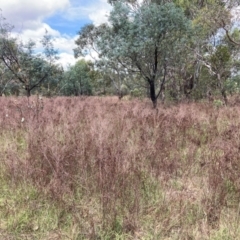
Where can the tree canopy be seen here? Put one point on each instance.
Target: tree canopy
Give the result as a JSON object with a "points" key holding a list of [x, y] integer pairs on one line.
{"points": [[144, 40], [173, 49], [25, 66], [169, 44]]}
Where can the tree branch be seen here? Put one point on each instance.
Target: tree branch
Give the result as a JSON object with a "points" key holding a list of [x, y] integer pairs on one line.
{"points": [[163, 80], [228, 35]]}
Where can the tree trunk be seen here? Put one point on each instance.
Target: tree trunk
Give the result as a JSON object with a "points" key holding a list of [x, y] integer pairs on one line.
{"points": [[188, 86], [119, 93], [223, 91], [27, 88], [224, 96], [153, 94]]}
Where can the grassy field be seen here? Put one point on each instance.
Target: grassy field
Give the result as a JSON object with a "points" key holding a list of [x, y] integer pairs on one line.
{"points": [[100, 168]]}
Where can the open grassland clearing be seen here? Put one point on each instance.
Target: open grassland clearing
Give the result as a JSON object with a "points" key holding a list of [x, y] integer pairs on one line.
{"points": [[100, 168]]}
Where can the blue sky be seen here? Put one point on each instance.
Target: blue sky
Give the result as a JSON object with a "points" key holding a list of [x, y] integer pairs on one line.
{"points": [[65, 26], [61, 18]]}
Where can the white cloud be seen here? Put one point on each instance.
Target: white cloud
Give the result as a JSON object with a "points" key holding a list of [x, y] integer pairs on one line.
{"points": [[235, 13], [30, 14], [65, 44], [66, 59], [37, 33], [96, 11], [99, 16]]}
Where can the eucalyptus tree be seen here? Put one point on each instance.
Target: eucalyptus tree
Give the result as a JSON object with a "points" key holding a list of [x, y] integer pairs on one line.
{"points": [[211, 60], [5, 79], [143, 38], [77, 79], [122, 80], [26, 66]]}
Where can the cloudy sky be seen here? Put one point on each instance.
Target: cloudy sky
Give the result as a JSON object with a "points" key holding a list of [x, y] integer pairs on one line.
{"points": [[61, 18]]}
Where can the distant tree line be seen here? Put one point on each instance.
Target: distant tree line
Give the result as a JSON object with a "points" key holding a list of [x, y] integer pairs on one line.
{"points": [[171, 50]]}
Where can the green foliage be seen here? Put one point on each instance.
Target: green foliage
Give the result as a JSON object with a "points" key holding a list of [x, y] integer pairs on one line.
{"points": [[154, 26], [222, 234], [77, 79], [25, 66], [174, 46], [145, 40], [218, 103], [124, 89], [221, 56], [233, 84]]}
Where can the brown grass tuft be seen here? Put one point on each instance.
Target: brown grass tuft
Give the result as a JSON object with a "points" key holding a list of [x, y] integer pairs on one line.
{"points": [[171, 172]]}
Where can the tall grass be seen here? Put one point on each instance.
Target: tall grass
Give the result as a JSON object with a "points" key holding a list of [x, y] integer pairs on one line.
{"points": [[121, 170]]}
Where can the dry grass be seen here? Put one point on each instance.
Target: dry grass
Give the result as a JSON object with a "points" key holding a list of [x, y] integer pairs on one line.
{"points": [[110, 169]]}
